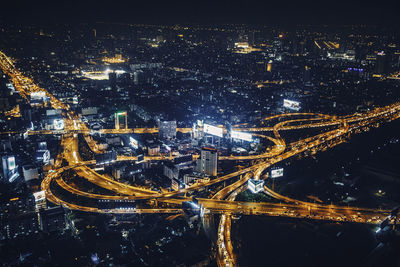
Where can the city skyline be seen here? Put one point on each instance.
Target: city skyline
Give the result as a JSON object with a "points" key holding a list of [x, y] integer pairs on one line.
{"points": [[181, 145]]}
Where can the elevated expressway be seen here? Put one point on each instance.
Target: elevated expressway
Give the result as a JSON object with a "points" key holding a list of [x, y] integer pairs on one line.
{"points": [[339, 130], [346, 125]]}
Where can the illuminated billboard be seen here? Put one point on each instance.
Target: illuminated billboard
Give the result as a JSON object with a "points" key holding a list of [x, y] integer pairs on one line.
{"points": [[290, 104], [58, 124], [213, 130], [11, 163], [277, 173], [38, 95], [133, 143], [13, 176], [242, 136], [39, 196]]}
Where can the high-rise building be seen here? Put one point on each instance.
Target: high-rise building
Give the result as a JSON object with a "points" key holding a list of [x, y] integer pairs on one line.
{"points": [[106, 158], [42, 156], [30, 172], [125, 78], [10, 169], [143, 76], [167, 130], [5, 145], [121, 124], [255, 186], [381, 63], [112, 78], [269, 66], [307, 75], [153, 149], [40, 200], [208, 161], [26, 112], [251, 38], [4, 95]]}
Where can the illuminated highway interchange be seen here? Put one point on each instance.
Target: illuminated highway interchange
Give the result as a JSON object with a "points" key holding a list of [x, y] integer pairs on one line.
{"points": [[78, 184], [338, 130]]}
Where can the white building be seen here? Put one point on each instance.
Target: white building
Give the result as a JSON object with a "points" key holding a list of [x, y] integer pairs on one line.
{"points": [[255, 186], [208, 161], [30, 172]]}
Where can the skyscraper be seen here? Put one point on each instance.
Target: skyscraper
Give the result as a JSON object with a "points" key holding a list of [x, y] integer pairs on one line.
{"points": [[307, 75], [251, 38], [112, 78], [121, 124], [381, 63], [269, 66], [208, 161], [10, 169]]}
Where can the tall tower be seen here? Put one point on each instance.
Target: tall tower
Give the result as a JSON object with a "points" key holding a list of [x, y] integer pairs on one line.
{"points": [[112, 78], [307, 75], [269, 66], [117, 120], [208, 161], [381, 63], [251, 38], [9, 168]]}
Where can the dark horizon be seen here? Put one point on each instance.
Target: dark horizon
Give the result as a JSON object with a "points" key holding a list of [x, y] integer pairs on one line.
{"points": [[203, 12]]}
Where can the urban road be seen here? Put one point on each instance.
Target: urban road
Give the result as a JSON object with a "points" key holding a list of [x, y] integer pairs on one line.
{"points": [[338, 130]]}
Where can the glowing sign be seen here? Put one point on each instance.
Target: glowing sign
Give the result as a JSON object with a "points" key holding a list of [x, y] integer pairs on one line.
{"points": [[39, 196], [277, 173], [100, 75], [242, 44], [213, 130], [38, 95], [294, 105], [11, 163], [242, 136], [133, 143], [355, 69], [13, 177], [58, 124]]}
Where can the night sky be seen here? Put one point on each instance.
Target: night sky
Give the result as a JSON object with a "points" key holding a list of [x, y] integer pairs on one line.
{"points": [[206, 12]]}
